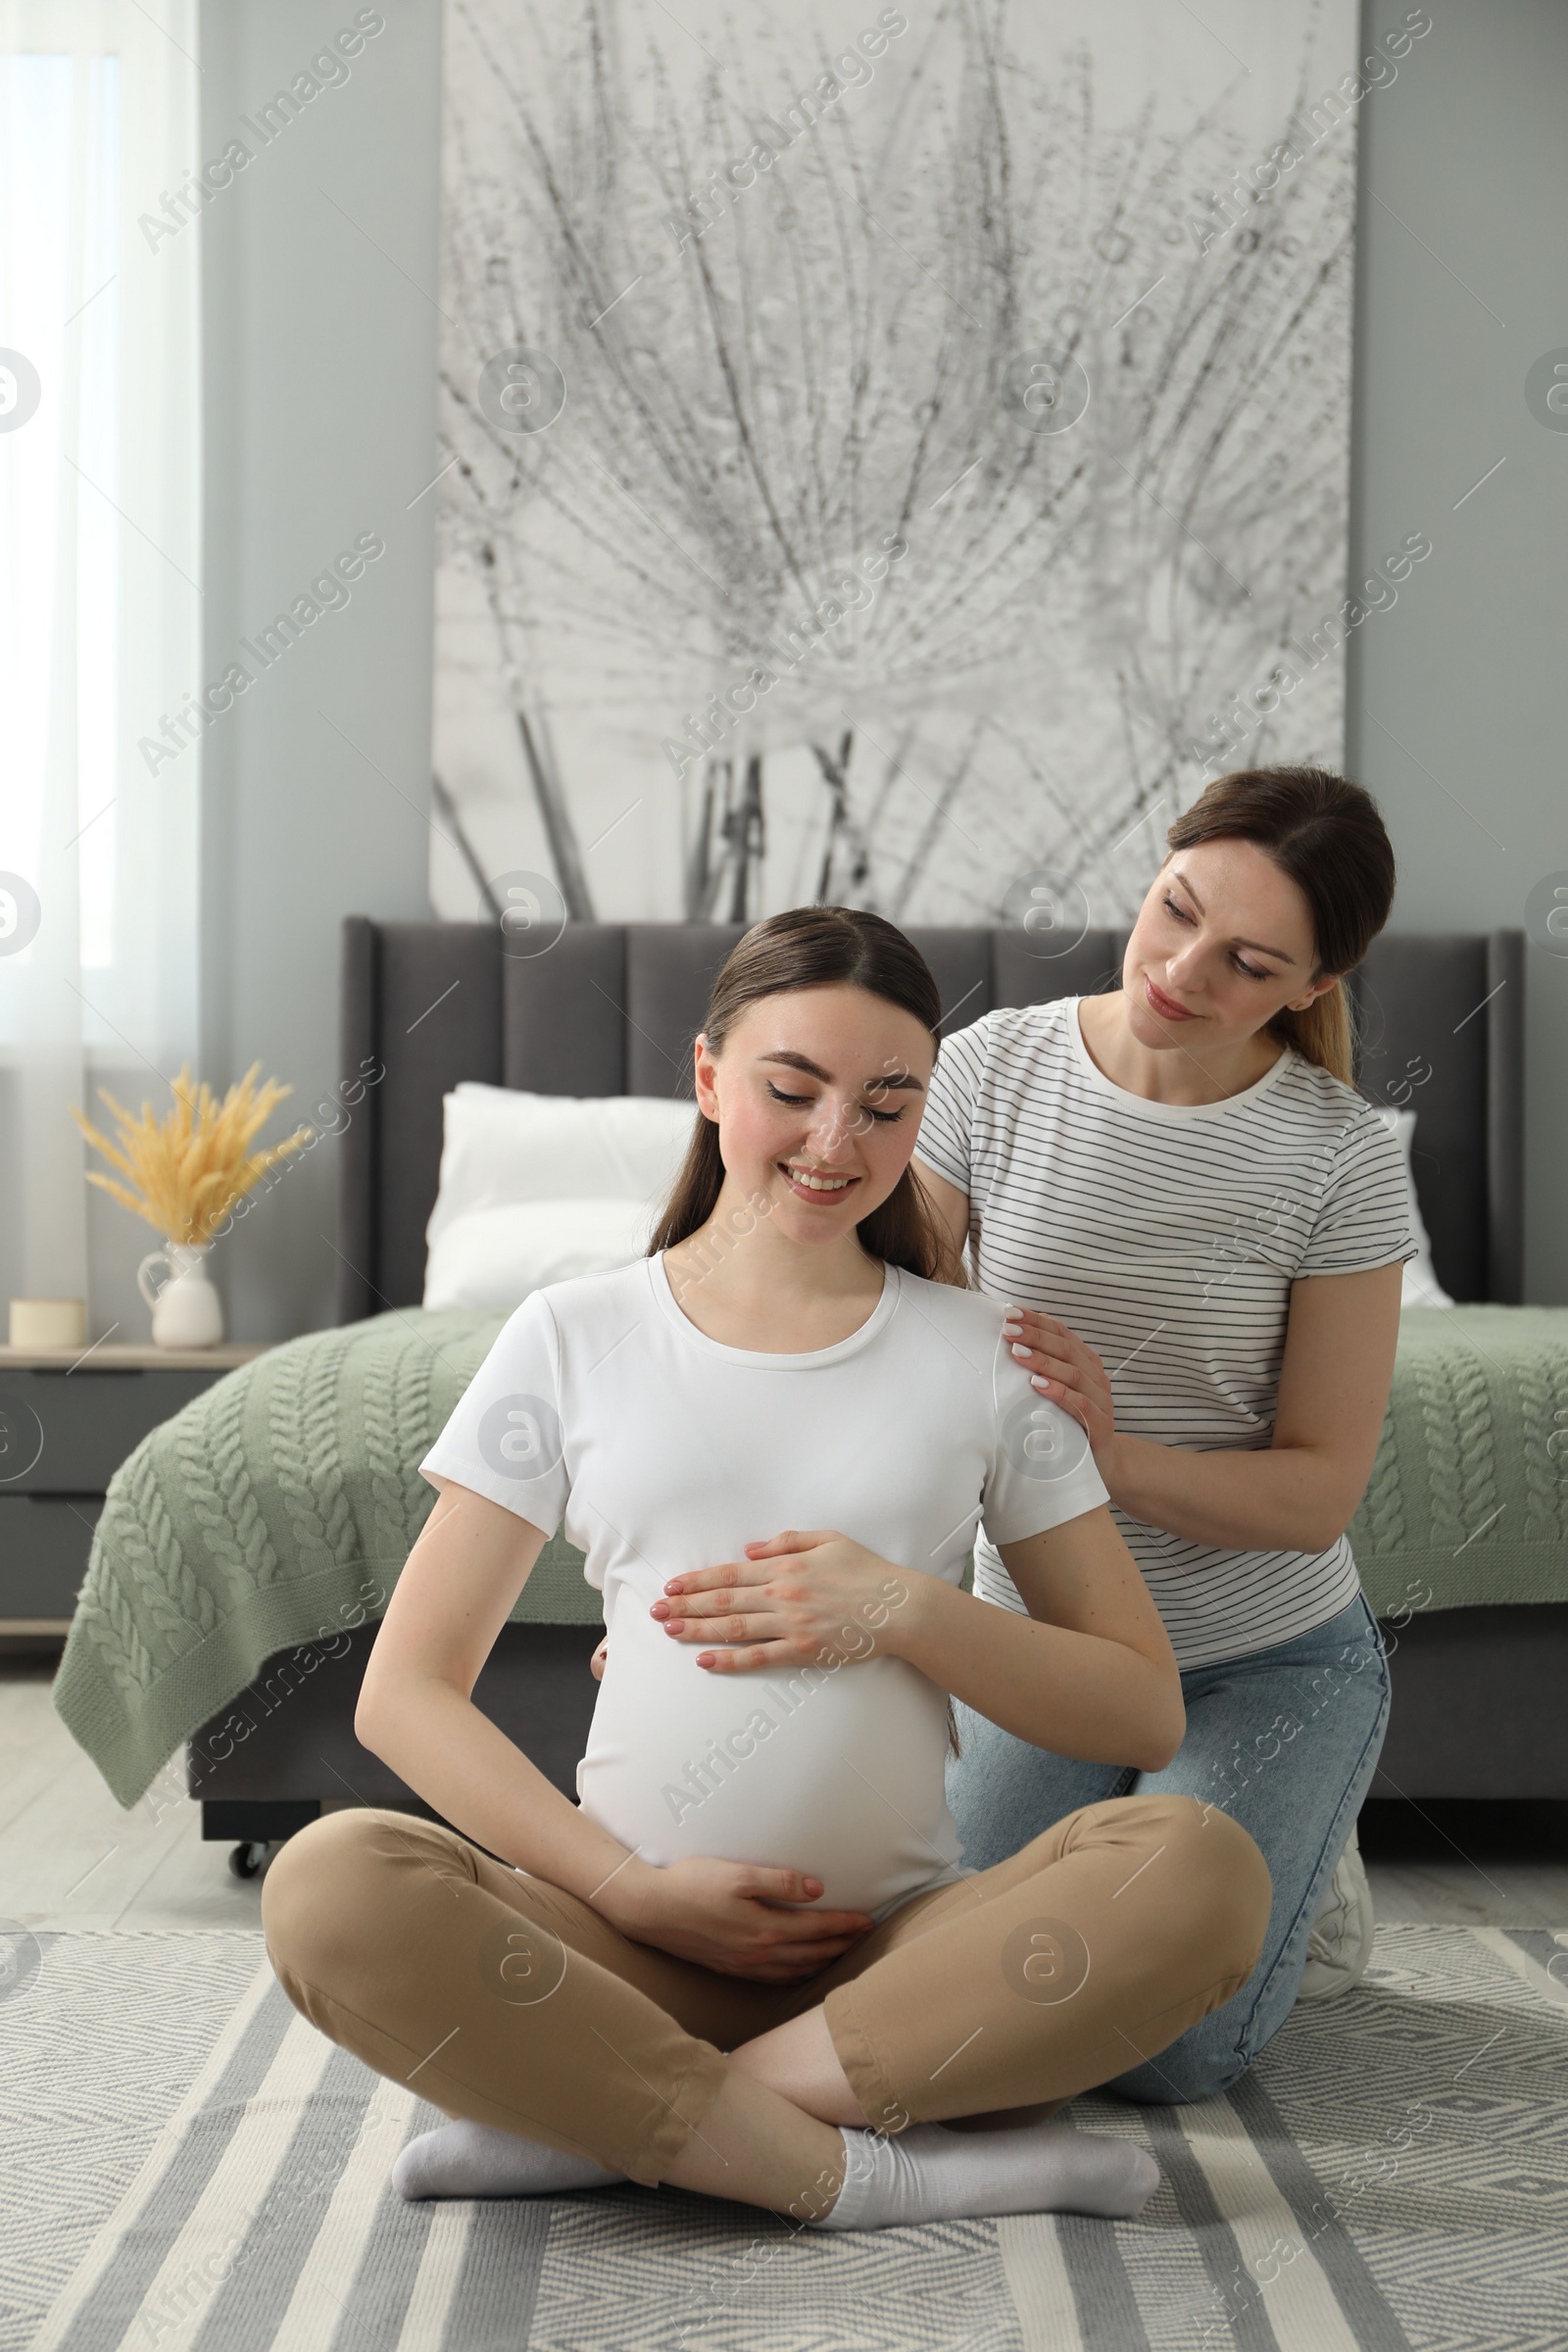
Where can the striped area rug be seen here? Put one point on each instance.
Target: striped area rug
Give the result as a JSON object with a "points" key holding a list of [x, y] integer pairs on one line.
{"points": [[188, 2167]]}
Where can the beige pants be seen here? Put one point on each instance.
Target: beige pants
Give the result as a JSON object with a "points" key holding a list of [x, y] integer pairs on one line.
{"points": [[507, 2001]]}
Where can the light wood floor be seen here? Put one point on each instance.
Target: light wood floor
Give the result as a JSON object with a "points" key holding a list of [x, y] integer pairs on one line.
{"points": [[70, 1858]]}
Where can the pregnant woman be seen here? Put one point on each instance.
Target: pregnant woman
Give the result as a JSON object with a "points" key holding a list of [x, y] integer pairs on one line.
{"points": [[1202, 1223], [750, 1961]]}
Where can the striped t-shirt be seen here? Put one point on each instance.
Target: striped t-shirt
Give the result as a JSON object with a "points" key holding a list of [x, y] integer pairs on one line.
{"points": [[1167, 1237]]}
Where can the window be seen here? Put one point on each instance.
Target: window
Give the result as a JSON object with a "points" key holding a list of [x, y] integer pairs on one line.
{"points": [[99, 597]]}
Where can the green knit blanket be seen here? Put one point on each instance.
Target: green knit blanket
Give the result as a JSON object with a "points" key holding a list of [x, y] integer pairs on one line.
{"points": [[280, 1506], [1468, 1500], [276, 1509]]}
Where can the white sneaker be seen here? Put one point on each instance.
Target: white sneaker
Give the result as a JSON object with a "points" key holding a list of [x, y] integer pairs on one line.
{"points": [[1341, 1943]]}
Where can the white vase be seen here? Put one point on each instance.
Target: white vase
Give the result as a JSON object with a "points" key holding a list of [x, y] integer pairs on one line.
{"points": [[187, 1311]]}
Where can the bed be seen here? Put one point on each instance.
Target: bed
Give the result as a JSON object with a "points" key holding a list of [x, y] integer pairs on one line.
{"points": [[248, 1547]]}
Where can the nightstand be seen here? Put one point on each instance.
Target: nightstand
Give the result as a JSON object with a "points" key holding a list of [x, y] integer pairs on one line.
{"points": [[68, 1419]]}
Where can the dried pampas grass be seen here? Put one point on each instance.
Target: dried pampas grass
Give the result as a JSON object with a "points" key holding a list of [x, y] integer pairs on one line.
{"points": [[189, 1168]]}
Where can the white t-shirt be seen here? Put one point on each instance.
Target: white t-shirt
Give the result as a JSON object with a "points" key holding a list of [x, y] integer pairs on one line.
{"points": [[1167, 1237], [667, 1451]]}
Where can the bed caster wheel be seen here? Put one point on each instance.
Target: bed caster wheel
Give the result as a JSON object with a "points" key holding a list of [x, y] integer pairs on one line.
{"points": [[247, 1859]]}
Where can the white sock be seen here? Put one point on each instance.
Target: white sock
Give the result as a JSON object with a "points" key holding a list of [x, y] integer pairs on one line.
{"points": [[470, 2159], [930, 2174]]}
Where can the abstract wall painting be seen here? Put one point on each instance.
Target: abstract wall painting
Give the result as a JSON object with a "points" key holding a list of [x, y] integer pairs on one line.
{"points": [[891, 453]]}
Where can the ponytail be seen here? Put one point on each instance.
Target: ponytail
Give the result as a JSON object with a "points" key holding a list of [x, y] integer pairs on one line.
{"points": [[1324, 1034]]}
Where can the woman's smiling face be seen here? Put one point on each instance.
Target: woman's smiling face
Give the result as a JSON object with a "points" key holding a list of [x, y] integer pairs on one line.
{"points": [[817, 1095], [1223, 941]]}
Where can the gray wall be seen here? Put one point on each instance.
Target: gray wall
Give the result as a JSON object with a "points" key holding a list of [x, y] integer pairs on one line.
{"points": [[320, 408], [1459, 690]]}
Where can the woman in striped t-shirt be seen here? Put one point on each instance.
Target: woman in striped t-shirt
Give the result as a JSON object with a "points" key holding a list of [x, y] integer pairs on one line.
{"points": [[1202, 1225]]}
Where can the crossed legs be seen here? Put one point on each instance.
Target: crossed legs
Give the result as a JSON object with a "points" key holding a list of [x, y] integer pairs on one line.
{"points": [[522, 2009]]}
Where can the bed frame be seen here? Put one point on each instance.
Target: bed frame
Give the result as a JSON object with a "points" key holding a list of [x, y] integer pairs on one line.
{"points": [[613, 1008]]}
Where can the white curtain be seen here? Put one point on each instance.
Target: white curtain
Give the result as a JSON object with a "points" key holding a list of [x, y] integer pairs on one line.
{"points": [[100, 595]]}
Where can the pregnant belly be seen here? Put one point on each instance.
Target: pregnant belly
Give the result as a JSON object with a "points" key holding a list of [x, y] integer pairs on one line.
{"points": [[839, 1773]]}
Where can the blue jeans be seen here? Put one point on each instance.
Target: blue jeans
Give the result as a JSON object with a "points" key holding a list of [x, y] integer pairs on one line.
{"points": [[1286, 1740]]}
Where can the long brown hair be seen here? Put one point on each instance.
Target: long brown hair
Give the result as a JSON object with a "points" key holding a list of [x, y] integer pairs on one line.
{"points": [[817, 947], [1327, 835]]}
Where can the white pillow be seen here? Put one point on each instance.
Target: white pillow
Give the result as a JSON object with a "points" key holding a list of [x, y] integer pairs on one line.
{"points": [[593, 1167], [500, 1146], [1420, 1287], [494, 1257]]}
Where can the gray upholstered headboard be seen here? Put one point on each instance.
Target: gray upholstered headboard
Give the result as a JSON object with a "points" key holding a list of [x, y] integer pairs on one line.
{"points": [[612, 1008]]}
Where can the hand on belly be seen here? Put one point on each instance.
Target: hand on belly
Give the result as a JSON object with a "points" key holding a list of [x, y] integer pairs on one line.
{"points": [[795, 1599], [832, 1771], [736, 1918]]}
